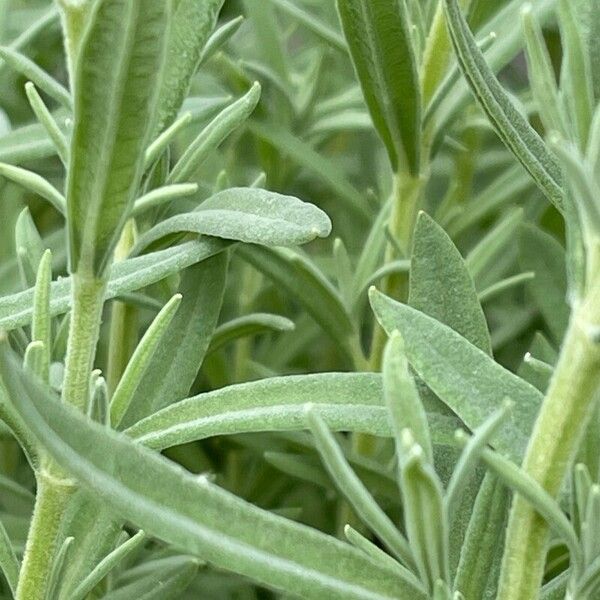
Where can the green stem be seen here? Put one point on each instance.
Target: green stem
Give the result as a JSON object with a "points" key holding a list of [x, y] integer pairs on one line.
{"points": [[88, 299], [557, 434], [52, 496], [123, 336], [406, 192], [54, 489]]}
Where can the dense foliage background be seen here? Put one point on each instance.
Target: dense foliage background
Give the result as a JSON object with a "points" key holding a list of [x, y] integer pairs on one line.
{"points": [[292, 311]]}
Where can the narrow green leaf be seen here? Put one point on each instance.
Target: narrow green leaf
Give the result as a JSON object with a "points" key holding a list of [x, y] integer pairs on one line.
{"points": [[29, 247], [106, 565], [248, 215], [380, 43], [31, 71], [196, 515], [354, 490], [163, 195], [41, 323], [375, 552], [177, 359], [425, 515], [511, 126], [541, 74], [541, 501], [8, 560], [441, 286], [447, 84], [34, 183], [116, 80], [481, 554], [214, 134], [470, 454], [96, 530], [47, 121], [576, 73], [191, 24], [345, 401], [220, 37], [57, 568], [139, 362], [402, 397], [248, 325], [462, 376], [542, 254]]}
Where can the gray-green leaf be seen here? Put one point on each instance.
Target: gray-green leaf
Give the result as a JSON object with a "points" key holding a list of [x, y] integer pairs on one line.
{"points": [[194, 514], [379, 37], [511, 126], [171, 371], [191, 25], [471, 383], [250, 215], [116, 80]]}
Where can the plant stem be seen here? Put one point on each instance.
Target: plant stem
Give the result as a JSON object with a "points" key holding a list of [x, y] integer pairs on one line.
{"points": [[558, 431], [52, 496], [54, 488], [123, 336], [406, 193], [88, 299]]}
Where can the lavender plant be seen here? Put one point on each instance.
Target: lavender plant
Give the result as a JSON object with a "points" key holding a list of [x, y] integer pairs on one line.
{"points": [[194, 406]]}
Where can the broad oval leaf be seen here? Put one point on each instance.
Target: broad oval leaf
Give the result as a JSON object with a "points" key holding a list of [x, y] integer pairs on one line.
{"points": [[116, 81], [380, 42], [441, 286], [249, 215], [466, 379], [194, 514]]}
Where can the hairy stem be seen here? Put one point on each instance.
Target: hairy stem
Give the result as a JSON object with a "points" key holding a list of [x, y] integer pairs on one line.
{"points": [[562, 421], [88, 299], [52, 496], [406, 193], [54, 489]]}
